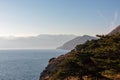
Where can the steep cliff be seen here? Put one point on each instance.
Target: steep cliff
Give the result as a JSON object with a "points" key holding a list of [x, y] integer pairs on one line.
{"points": [[52, 67], [94, 60], [97, 59]]}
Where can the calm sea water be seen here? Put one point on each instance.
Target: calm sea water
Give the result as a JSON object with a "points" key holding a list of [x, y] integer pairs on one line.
{"points": [[25, 64]]}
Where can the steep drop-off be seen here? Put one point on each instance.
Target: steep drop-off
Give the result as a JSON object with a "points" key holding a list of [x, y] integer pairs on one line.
{"points": [[94, 60], [97, 60]]}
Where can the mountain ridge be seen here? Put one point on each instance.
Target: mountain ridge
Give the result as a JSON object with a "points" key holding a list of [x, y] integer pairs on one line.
{"points": [[76, 41], [33, 42]]}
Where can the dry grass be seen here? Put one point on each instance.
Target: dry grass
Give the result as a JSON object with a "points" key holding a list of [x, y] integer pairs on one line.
{"points": [[114, 77]]}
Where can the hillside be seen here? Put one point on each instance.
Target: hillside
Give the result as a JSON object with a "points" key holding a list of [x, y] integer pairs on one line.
{"points": [[116, 30], [94, 60], [74, 42]]}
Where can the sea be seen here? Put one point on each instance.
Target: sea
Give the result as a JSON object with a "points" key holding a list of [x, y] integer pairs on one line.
{"points": [[26, 64]]}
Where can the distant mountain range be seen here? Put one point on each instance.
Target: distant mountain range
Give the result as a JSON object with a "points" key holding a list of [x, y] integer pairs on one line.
{"points": [[34, 42], [68, 42], [76, 41]]}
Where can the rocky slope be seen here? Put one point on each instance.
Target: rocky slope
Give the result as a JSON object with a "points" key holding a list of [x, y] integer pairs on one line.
{"points": [[54, 63], [116, 30], [52, 66], [74, 42]]}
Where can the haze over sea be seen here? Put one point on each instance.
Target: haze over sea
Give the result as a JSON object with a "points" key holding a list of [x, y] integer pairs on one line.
{"points": [[25, 64]]}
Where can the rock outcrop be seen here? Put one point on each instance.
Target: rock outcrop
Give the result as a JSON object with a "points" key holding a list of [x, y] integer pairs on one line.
{"points": [[52, 66]]}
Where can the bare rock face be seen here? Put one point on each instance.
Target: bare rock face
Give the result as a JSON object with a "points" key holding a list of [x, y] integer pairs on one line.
{"points": [[116, 30], [52, 66]]}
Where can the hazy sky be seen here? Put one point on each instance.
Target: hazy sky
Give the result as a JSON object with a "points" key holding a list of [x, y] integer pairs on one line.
{"points": [[32, 17]]}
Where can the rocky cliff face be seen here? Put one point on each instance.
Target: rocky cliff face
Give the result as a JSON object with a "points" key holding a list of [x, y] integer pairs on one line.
{"points": [[54, 62], [52, 66]]}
